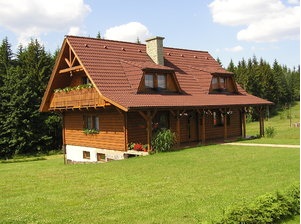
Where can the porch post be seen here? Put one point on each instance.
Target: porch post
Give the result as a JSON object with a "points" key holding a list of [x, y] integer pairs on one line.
{"points": [[243, 122], [261, 121], [225, 125], [203, 127], [148, 119], [178, 128], [149, 130]]}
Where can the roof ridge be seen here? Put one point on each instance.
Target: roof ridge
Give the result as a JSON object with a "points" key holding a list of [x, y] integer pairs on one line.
{"points": [[102, 39]]}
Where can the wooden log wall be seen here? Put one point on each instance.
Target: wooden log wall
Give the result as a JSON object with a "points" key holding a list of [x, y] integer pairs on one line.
{"points": [[136, 128], [110, 136]]}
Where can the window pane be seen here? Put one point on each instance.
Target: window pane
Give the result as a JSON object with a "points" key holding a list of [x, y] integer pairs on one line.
{"points": [[162, 81], [96, 123], [149, 81], [222, 82], [89, 122], [214, 83]]}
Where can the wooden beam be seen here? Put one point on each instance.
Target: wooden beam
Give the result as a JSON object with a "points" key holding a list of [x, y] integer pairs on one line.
{"points": [[203, 127], [68, 62], [75, 68], [243, 122], [148, 117], [225, 125]]}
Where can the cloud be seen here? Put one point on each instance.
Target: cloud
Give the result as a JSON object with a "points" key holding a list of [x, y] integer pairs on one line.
{"points": [[235, 49], [265, 21], [128, 32], [32, 18]]}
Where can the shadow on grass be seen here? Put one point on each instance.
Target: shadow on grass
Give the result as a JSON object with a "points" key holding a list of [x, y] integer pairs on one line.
{"points": [[23, 160]]}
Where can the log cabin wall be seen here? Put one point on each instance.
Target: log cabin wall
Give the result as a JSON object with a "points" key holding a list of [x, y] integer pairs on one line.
{"points": [[136, 128], [111, 134], [216, 132]]}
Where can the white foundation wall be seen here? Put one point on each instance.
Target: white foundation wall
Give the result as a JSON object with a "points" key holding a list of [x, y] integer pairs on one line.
{"points": [[75, 153]]}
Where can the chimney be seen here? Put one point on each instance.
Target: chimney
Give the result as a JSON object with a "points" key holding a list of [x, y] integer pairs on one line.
{"points": [[154, 49]]}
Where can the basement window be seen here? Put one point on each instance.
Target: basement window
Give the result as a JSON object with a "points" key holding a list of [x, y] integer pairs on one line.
{"points": [[86, 154], [101, 157]]}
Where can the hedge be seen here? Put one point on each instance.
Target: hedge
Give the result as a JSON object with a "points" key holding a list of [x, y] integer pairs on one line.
{"points": [[269, 208]]}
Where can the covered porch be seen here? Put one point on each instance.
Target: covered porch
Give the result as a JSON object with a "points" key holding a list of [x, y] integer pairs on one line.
{"points": [[200, 126]]}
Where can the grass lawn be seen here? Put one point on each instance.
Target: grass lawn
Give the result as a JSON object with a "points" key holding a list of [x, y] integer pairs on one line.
{"points": [[189, 186], [285, 134]]}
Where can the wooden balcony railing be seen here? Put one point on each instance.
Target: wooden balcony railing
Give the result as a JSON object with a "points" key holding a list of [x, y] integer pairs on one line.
{"points": [[82, 98]]}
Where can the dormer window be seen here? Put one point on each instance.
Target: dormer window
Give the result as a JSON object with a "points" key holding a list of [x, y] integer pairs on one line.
{"points": [[161, 81], [222, 84], [218, 84], [155, 81], [149, 81]]}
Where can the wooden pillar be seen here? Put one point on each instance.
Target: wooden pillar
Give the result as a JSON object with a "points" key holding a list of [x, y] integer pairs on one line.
{"points": [[178, 128], [64, 137], [125, 129], [261, 122], [225, 125], [148, 119], [203, 127], [243, 123]]}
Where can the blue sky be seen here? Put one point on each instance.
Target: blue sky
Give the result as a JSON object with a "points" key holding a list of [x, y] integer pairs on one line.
{"points": [[228, 29]]}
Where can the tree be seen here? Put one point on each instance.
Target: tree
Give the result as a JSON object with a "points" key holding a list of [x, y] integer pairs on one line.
{"points": [[23, 128], [98, 36]]}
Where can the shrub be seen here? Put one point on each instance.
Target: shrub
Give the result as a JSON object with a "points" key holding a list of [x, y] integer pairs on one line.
{"points": [[269, 208], [164, 140], [270, 132]]}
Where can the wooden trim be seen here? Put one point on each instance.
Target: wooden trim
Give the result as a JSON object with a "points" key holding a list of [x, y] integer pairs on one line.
{"points": [[71, 69]]}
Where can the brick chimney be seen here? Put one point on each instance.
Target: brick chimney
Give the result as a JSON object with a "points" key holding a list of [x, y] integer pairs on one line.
{"points": [[154, 49]]}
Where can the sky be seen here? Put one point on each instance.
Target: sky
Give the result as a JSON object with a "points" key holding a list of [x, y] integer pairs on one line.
{"points": [[227, 29]]}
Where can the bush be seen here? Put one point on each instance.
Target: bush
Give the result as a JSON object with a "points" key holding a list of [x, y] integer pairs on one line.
{"points": [[164, 140], [270, 132], [269, 208]]}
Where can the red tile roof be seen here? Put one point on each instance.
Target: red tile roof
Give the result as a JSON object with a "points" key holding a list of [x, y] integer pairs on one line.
{"points": [[115, 68]]}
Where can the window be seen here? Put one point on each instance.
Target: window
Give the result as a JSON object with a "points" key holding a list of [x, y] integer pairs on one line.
{"points": [[161, 121], [155, 82], [86, 154], [219, 119], [149, 81], [219, 84], [85, 80], [161, 81], [91, 122], [101, 156]]}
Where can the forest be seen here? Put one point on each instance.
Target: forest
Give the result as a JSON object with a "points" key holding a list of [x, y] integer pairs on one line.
{"points": [[24, 76]]}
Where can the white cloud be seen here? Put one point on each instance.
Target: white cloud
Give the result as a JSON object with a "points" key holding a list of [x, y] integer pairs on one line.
{"points": [[235, 49], [128, 32], [31, 18], [294, 2], [265, 21]]}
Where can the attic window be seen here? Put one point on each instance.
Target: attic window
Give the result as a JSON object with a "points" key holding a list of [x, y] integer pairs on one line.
{"points": [[155, 81], [149, 81], [218, 84]]}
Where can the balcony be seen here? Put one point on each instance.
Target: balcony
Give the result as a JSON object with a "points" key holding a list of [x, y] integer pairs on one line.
{"points": [[76, 99]]}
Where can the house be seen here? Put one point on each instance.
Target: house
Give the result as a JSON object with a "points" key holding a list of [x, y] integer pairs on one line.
{"points": [[112, 93]]}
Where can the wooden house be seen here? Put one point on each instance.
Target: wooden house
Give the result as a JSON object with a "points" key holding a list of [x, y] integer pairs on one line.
{"points": [[112, 93]]}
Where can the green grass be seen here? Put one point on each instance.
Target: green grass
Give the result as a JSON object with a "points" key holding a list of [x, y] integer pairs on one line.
{"points": [[285, 134], [189, 186]]}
